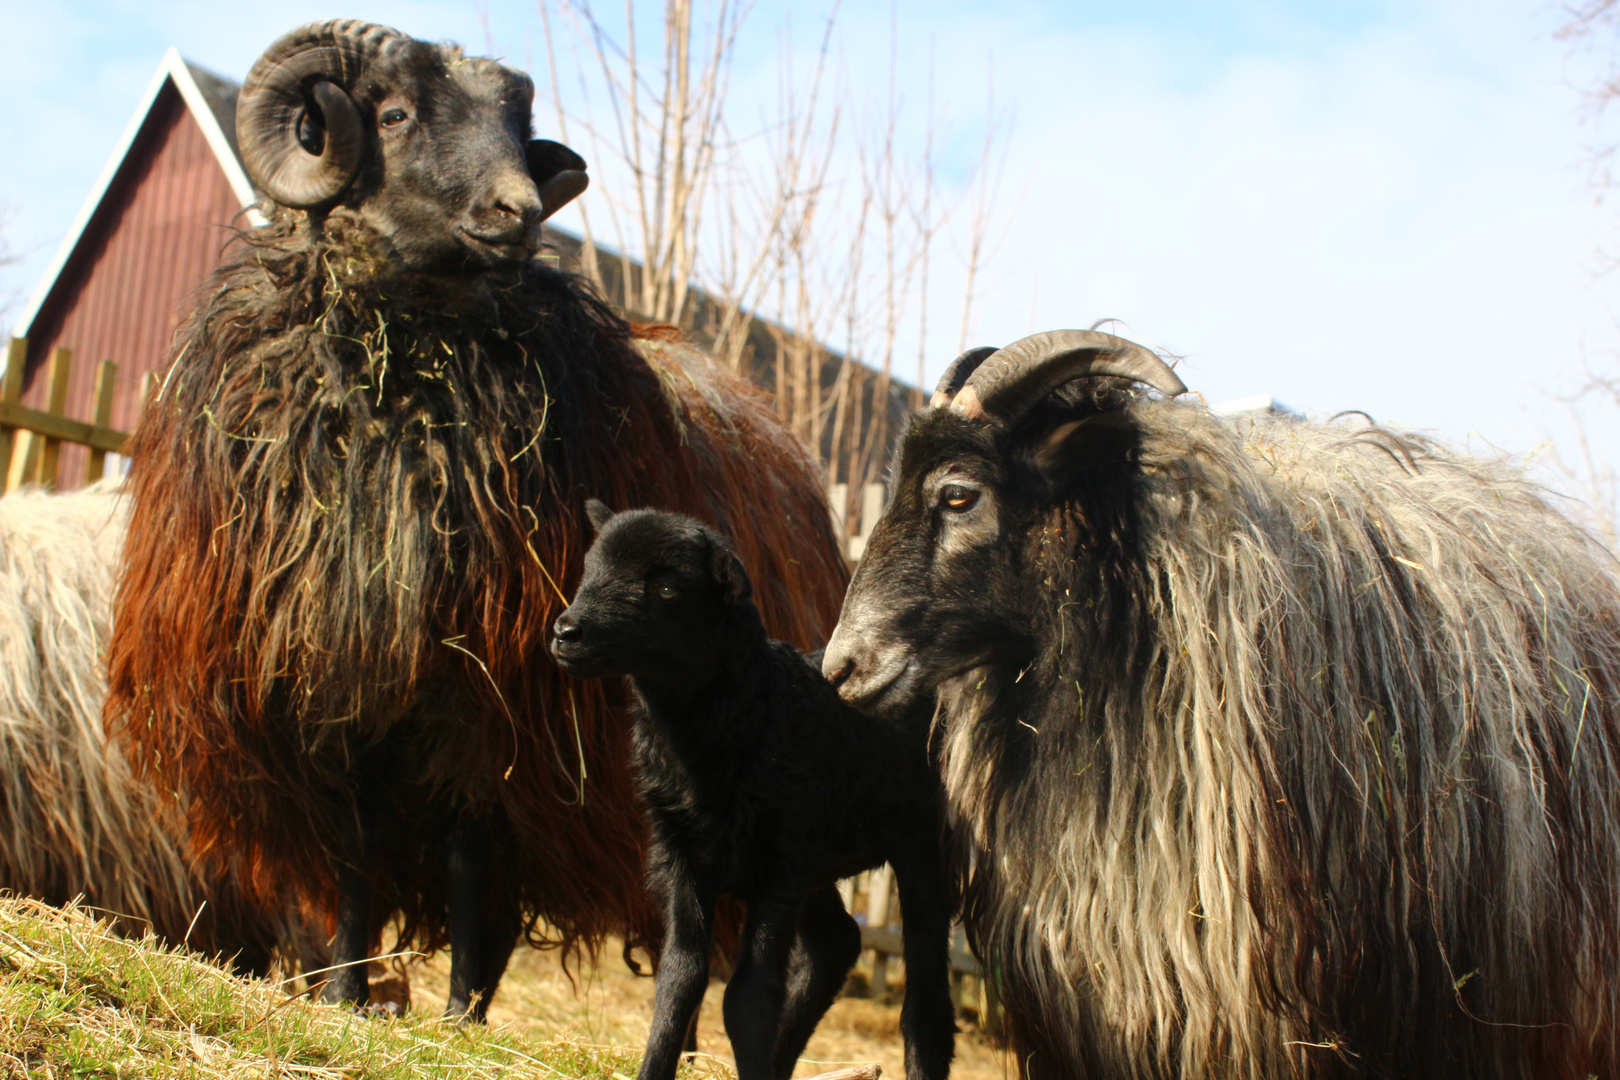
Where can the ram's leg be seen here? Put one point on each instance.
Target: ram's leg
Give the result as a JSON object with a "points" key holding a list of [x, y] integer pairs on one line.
{"points": [[827, 945], [927, 1019], [497, 937], [466, 880], [351, 944], [754, 997], [683, 968]]}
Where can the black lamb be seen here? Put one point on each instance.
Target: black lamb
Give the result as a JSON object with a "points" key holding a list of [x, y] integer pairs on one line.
{"points": [[759, 785]]}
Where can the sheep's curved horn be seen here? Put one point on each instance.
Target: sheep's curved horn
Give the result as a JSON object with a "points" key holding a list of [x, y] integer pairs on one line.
{"points": [[1009, 382], [957, 374], [300, 133]]}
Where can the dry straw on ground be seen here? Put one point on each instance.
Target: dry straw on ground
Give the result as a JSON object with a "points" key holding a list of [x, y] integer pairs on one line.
{"points": [[77, 1000]]}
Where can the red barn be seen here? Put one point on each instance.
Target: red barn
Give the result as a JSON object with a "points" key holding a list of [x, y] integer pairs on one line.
{"points": [[153, 227]]}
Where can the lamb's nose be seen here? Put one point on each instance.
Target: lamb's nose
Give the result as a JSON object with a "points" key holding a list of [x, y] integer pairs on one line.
{"points": [[567, 629]]}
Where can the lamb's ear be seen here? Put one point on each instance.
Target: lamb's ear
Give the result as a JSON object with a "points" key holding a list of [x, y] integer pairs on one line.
{"points": [[598, 512], [1095, 448], [728, 573]]}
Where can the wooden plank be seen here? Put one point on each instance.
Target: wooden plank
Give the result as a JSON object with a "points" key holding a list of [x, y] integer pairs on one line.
{"points": [[56, 388], [869, 1071], [60, 427], [25, 459], [10, 390], [106, 382]]}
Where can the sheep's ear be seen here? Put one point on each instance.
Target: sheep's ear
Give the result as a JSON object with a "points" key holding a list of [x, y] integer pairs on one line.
{"points": [[598, 512], [728, 573], [1091, 449]]}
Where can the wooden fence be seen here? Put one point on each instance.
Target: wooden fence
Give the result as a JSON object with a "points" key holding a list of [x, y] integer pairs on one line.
{"points": [[31, 439]]}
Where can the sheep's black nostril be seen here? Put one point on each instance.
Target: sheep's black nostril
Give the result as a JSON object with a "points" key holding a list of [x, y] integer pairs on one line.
{"points": [[567, 630]]}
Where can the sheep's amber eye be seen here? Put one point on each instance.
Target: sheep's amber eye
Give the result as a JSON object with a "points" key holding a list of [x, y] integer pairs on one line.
{"points": [[956, 497], [667, 592], [393, 117]]}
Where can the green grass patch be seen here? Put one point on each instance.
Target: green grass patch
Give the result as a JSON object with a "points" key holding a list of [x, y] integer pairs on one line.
{"points": [[77, 1000]]}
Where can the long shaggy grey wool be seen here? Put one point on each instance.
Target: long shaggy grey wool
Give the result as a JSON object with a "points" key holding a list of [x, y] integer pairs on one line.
{"points": [[1322, 777]]}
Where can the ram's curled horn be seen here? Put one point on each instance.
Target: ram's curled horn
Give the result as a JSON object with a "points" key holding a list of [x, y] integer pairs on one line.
{"points": [[957, 374], [1011, 380], [300, 133]]}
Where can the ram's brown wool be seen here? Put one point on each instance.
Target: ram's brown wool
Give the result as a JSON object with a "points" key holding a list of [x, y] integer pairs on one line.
{"points": [[357, 505]]}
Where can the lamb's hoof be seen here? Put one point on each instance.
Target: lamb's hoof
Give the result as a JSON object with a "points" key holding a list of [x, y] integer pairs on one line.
{"points": [[382, 1010]]}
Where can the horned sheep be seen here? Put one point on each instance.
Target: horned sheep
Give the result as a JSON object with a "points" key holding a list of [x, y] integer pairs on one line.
{"points": [[357, 491], [1272, 748]]}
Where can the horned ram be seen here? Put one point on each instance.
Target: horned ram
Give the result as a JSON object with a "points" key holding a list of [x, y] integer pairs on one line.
{"points": [[1271, 748], [353, 498]]}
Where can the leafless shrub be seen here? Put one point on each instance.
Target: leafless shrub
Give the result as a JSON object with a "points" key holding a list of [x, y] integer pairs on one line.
{"points": [[794, 242]]}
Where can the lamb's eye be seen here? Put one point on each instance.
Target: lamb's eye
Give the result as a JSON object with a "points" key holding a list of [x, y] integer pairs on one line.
{"points": [[957, 497], [393, 117], [667, 592]]}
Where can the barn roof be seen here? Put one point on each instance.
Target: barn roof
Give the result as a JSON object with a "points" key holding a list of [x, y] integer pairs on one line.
{"points": [[211, 101]]}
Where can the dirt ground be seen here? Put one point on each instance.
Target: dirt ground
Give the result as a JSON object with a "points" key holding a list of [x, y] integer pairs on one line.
{"points": [[608, 1005]]}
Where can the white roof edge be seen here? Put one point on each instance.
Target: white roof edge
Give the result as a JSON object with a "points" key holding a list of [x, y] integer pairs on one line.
{"points": [[171, 67], [235, 175]]}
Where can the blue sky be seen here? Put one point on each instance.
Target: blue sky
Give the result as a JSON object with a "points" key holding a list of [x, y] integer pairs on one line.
{"points": [[1367, 205]]}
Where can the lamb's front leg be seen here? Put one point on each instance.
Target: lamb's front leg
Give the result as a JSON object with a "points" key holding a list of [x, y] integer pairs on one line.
{"points": [[755, 996], [687, 899]]}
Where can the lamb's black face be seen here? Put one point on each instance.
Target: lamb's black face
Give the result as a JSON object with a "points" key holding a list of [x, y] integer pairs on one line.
{"points": [[653, 602]]}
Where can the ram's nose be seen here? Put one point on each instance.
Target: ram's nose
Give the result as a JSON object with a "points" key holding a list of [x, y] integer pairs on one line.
{"points": [[837, 664], [515, 196]]}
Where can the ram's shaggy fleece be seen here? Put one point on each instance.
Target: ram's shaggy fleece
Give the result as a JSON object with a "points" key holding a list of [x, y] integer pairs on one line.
{"points": [[73, 820], [1322, 778], [356, 503]]}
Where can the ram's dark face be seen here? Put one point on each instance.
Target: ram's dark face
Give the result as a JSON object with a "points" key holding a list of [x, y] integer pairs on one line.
{"points": [[653, 602], [934, 594], [940, 589], [431, 148], [449, 183]]}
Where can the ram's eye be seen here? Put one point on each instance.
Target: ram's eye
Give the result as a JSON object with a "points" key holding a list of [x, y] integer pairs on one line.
{"points": [[667, 592], [393, 117], [957, 497]]}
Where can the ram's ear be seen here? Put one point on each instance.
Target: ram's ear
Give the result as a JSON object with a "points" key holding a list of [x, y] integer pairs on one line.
{"points": [[728, 573], [598, 512], [558, 173], [1095, 448]]}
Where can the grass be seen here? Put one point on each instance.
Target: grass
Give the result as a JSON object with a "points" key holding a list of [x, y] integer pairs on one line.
{"points": [[76, 1000]]}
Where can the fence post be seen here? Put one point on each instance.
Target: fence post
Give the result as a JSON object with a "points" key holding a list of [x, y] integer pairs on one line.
{"points": [[56, 404], [877, 916], [106, 382], [10, 390]]}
